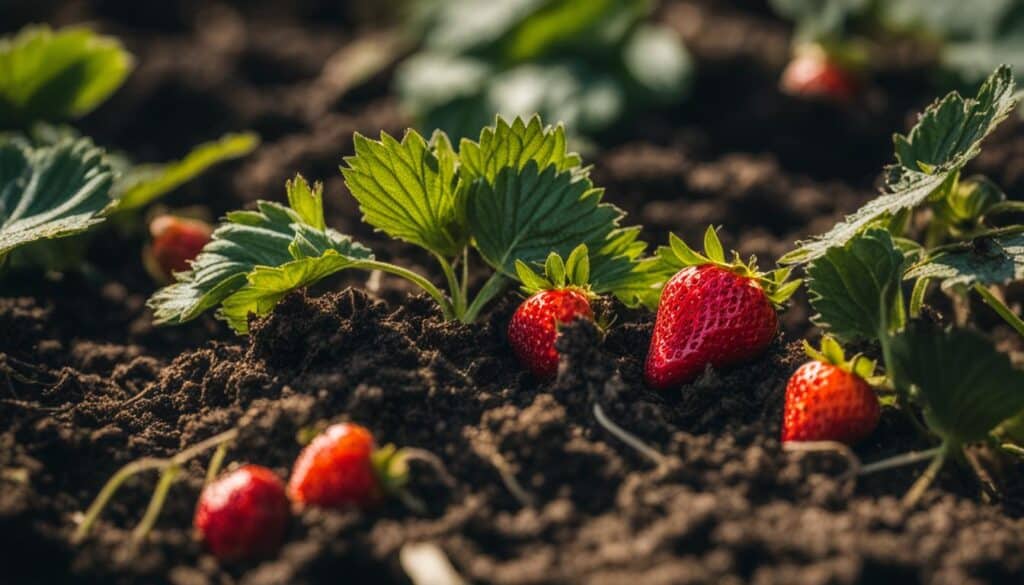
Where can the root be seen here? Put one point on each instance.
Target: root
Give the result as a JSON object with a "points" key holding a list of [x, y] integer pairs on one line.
{"points": [[626, 437]]}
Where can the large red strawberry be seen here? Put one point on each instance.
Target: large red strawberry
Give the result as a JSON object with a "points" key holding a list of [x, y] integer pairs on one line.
{"points": [[242, 514], [176, 242], [342, 467], [559, 297], [829, 398], [712, 312], [814, 73]]}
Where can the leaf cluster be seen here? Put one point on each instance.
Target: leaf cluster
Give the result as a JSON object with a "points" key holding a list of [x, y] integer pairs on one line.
{"points": [[586, 64]]}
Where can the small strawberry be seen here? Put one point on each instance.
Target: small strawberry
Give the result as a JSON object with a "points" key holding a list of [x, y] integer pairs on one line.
{"points": [[712, 312], [814, 73], [829, 398], [559, 297], [242, 514], [176, 242], [342, 467]]}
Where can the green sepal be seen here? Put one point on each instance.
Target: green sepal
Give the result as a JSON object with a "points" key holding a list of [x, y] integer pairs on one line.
{"points": [[831, 352], [391, 467], [558, 274]]}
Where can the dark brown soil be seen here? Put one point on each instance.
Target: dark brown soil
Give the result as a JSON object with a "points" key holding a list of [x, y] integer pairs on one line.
{"points": [[87, 384]]}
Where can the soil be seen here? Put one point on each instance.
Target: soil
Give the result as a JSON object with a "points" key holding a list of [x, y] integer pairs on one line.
{"points": [[87, 384]]}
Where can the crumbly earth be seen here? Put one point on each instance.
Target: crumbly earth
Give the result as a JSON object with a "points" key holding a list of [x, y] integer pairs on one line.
{"points": [[87, 384]]}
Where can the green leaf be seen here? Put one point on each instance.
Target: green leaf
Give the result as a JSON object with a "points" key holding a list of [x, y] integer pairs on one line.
{"points": [[513, 146], [966, 387], [850, 285], [929, 159], [526, 214], [998, 260], [407, 190], [50, 192], [141, 184], [270, 237], [47, 75]]}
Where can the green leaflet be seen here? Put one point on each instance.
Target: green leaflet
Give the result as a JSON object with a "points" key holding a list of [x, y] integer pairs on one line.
{"points": [[50, 192], [966, 386], [141, 184], [986, 261], [407, 190], [47, 75], [270, 237], [512, 146], [929, 159], [850, 286]]}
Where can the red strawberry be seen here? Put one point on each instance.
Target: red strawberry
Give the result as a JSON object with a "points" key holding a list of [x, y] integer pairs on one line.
{"points": [[711, 313], [812, 73], [176, 242], [342, 467], [559, 297], [828, 399], [243, 514]]}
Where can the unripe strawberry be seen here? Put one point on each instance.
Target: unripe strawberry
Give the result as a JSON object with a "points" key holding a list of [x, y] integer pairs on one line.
{"points": [[829, 398], [176, 241], [712, 312], [242, 514], [813, 73]]}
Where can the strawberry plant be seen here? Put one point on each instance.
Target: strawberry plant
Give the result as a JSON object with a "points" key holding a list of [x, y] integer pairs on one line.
{"points": [[55, 183], [929, 225], [587, 64], [515, 195]]}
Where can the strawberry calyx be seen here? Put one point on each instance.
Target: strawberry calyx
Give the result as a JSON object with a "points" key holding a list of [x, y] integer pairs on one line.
{"points": [[776, 284], [831, 352], [391, 468], [572, 273]]}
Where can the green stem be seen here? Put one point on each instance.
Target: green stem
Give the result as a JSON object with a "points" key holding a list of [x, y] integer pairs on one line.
{"points": [[494, 286], [898, 461], [627, 437], [446, 306], [1012, 449], [1000, 307], [925, 481], [917, 296], [454, 288], [156, 503], [216, 462], [465, 273]]}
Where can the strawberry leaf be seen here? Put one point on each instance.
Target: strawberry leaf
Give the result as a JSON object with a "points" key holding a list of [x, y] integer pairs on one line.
{"points": [[245, 251], [513, 146], [47, 75], [141, 184], [51, 191], [850, 285], [966, 387], [929, 159], [998, 260], [407, 189]]}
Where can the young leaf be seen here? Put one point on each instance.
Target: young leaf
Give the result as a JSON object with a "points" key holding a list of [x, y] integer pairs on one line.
{"points": [[526, 213], [513, 146], [50, 192], [929, 159], [47, 75], [849, 285], [985, 261], [141, 184], [966, 386], [270, 237], [406, 189]]}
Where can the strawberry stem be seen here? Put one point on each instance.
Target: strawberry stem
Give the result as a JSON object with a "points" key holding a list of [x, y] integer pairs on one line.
{"points": [[435, 293], [1000, 307], [925, 481], [899, 461], [216, 462], [494, 286], [156, 503], [627, 437], [917, 296], [454, 288]]}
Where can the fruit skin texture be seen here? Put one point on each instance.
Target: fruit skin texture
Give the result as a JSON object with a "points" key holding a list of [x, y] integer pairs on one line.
{"points": [[816, 75], [336, 470], [827, 403], [707, 315], [534, 327], [242, 514], [176, 242]]}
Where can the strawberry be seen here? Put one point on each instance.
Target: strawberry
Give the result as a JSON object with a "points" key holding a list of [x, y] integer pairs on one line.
{"points": [[712, 312], [342, 467], [829, 398], [176, 242], [813, 73], [242, 514], [559, 297]]}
